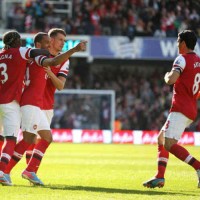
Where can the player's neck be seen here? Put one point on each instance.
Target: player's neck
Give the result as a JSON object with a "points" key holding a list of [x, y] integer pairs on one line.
{"points": [[186, 50], [189, 51]]}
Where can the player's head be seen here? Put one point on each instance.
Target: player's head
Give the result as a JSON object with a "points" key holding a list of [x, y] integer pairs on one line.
{"points": [[11, 39], [187, 38], [58, 38], [42, 40]]}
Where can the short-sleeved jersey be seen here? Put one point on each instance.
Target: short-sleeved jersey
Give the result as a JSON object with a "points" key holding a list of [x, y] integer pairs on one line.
{"points": [[35, 82], [12, 70], [60, 70], [187, 86]]}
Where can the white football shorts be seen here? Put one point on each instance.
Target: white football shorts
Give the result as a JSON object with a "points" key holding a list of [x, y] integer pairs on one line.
{"points": [[175, 125], [33, 119], [49, 115], [10, 118]]}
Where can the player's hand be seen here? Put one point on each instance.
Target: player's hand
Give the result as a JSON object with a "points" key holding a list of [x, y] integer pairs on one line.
{"points": [[48, 70], [81, 46], [198, 96], [30, 60]]}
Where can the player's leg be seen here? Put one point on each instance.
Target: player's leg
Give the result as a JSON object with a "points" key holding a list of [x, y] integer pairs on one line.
{"points": [[29, 152], [163, 155], [11, 124], [30, 121], [1, 130], [172, 136], [38, 151], [1, 141]]}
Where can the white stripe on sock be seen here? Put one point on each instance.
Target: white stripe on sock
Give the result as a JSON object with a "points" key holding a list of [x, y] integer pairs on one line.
{"points": [[38, 152], [17, 155], [187, 160], [6, 156], [163, 159]]}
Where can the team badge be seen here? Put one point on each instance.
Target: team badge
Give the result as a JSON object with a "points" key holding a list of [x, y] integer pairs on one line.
{"points": [[35, 127]]}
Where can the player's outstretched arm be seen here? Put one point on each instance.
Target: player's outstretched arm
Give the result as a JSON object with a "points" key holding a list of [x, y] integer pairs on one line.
{"points": [[64, 56]]}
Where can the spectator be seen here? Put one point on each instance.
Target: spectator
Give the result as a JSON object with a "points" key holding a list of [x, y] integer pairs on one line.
{"points": [[107, 17]]}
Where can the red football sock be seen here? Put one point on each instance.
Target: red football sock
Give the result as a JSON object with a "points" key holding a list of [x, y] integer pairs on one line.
{"points": [[181, 153], [1, 142], [7, 152], [37, 156], [163, 156], [29, 153], [19, 150]]}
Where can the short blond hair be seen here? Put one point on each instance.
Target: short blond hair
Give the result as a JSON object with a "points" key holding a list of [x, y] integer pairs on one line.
{"points": [[54, 31]]}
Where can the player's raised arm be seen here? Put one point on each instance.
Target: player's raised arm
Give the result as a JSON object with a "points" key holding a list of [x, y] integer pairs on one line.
{"points": [[64, 56]]}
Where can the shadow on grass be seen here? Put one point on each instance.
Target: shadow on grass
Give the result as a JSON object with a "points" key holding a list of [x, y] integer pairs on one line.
{"points": [[116, 190]]}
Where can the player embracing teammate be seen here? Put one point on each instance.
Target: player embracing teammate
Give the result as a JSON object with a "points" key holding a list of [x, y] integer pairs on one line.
{"points": [[32, 121]]}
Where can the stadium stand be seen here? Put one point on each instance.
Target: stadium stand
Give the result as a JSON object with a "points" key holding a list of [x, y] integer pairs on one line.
{"points": [[104, 17]]}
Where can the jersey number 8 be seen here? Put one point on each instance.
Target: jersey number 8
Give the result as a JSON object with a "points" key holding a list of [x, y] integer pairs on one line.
{"points": [[195, 87]]}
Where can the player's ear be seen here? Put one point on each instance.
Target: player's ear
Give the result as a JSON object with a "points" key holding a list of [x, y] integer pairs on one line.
{"points": [[38, 45], [183, 43]]}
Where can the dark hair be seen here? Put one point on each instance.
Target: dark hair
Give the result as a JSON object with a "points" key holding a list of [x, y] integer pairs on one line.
{"points": [[11, 39], [38, 37], [54, 31], [189, 37]]}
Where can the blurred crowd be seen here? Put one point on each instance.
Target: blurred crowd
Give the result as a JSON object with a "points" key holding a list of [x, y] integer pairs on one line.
{"points": [[159, 18], [142, 100], [141, 103]]}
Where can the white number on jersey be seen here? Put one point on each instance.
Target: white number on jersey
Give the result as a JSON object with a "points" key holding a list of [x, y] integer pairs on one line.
{"points": [[195, 87], [3, 72]]}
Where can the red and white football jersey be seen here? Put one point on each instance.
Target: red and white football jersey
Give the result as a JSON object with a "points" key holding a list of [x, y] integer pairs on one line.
{"points": [[12, 70], [187, 86], [35, 82], [60, 70]]}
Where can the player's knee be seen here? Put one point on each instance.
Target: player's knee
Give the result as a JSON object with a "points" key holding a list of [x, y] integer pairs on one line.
{"points": [[46, 135], [167, 146], [29, 137], [49, 139], [168, 143], [160, 138]]}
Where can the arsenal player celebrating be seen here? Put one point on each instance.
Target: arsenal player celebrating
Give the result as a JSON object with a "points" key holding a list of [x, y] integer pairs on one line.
{"points": [[185, 75], [13, 60]]}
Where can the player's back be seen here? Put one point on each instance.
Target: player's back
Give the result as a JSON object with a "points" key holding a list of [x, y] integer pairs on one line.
{"points": [[187, 87], [12, 70]]}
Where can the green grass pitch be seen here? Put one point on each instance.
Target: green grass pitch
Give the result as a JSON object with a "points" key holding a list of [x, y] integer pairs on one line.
{"points": [[104, 172]]}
